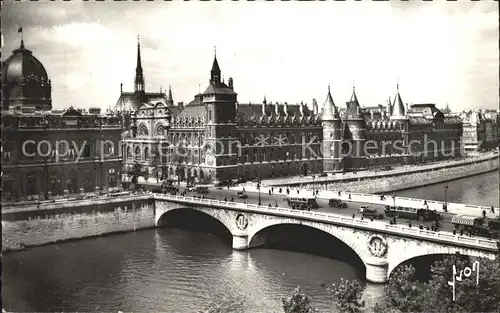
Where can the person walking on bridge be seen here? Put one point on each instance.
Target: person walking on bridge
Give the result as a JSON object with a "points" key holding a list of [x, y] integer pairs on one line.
{"points": [[484, 213], [492, 209]]}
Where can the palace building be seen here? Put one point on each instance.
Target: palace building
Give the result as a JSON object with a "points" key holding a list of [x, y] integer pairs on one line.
{"points": [[50, 153], [216, 138]]}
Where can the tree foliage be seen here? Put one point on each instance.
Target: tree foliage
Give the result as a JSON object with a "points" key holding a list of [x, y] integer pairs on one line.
{"points": [[135, 172], [403, 294], [297, 302], [347, 296]]}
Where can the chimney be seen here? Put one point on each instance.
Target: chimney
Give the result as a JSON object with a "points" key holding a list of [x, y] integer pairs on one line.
{"points": [[230, 83], [315, 107]]}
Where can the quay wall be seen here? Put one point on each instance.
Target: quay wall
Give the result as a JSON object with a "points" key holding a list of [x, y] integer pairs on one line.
{"points": [[22, 228], [407, 180]]}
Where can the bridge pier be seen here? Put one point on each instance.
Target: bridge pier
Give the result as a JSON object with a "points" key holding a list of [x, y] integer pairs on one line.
{"points": [[376, 270], [240, 242]]}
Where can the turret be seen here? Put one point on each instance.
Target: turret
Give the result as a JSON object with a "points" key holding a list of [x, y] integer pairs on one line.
{"points": [[331, 123]]}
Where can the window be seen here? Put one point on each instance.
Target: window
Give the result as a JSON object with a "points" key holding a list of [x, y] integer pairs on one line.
{"points": [[111, 177], [86, 151]]}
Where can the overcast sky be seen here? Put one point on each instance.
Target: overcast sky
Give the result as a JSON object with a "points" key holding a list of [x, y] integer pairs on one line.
{"points": [[287, 51]]}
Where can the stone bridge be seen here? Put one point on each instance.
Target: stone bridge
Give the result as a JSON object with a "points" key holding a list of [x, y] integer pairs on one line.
{"points": [[380, 246]]}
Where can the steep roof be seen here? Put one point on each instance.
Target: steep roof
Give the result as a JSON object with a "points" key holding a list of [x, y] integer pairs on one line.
{"points": [[398, 108], [330, 111]]}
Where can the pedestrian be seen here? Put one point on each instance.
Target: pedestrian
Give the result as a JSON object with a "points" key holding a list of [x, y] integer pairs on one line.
{"points": [[297, 191], [353, 216], [461, 232], [272, 189], [484, 213], [492, 209], [349, 196], [269, 204], [243, 189], [454, 232], [340, 193], [280, 190], [269, 191], [409, 224], [371, 219]]}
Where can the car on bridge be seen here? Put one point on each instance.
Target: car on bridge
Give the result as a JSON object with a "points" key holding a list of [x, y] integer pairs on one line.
{"points": [[302, 202], [202, 190], [337, 203], [369, 212], [241, 195], [413, 213]]}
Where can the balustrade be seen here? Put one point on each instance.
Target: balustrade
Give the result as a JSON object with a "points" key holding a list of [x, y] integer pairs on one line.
{"points": [[333, 217]]}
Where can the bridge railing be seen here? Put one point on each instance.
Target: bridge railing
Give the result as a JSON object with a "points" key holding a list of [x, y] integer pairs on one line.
{"points": [[342, 220], [456, 208]]}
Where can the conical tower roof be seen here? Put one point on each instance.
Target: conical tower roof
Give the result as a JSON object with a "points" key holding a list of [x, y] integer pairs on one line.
{"points": [[330, 111], [398, 108]]}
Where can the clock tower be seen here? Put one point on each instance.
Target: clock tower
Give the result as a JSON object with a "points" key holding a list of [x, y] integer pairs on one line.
{"points": [[221, 149]]}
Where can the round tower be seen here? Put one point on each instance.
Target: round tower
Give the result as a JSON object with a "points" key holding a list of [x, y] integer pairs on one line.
{"points": [[331, 123]]}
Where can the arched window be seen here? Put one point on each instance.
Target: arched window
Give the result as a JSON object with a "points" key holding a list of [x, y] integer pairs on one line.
{"points": [[137, 153]]}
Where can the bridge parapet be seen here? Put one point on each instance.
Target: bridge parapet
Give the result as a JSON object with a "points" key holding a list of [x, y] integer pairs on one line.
{"points": [[376, 226], [455, 208]]}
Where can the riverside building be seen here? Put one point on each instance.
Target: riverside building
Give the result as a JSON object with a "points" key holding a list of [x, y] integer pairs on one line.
{"points": [[50, 153], [222, 139]]}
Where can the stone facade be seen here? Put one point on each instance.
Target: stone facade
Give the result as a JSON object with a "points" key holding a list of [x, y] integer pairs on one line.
{"points": [[48, 153], [34, 228], [222, 139], [481, 130]]}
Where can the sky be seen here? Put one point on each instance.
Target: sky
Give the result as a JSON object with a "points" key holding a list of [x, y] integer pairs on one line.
{"points": [[439, 52]]}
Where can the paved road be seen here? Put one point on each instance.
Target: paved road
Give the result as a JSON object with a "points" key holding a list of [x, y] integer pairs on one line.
{"points": [[352, 207]]}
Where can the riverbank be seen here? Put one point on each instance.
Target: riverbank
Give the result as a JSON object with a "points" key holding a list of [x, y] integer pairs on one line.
{"points": [[398, 179], [28, 227]]}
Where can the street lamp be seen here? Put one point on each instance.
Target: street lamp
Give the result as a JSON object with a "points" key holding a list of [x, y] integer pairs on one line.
{"points": [[446, 196], [258, 187]]}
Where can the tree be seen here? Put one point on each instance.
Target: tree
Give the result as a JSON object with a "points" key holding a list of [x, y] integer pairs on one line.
{"points": [[403, 294], [179, 158], [297, 302], [135, 172], [347, 296]]}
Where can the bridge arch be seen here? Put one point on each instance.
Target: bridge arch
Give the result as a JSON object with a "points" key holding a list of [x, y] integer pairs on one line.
{"points": [[336, 232], [410, 254], [196, 219]]}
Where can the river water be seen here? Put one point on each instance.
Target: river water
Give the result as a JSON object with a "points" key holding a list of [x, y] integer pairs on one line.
{"points": [[175, 270]]}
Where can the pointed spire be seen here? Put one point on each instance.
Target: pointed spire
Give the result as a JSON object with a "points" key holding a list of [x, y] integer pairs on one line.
{"points": [[139, 76], [170, 93], [139, 61], [215, 72], [398, 107], [354, 98], [329, 109]]}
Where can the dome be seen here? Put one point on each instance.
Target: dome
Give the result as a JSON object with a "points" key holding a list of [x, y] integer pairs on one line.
{"points": [[25, 82], [21, 64]]}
